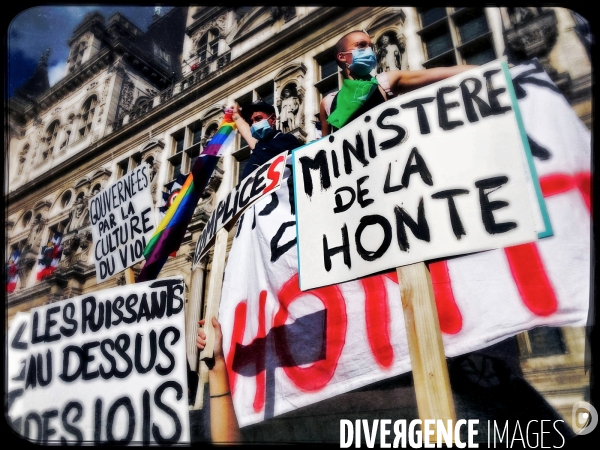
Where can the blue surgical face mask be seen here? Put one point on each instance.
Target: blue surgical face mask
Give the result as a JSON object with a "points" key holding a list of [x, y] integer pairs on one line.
{"points": [[363, 61], [260, 130]]}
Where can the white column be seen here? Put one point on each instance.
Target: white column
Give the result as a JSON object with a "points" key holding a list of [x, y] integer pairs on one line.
{"points": [[495, 20]]}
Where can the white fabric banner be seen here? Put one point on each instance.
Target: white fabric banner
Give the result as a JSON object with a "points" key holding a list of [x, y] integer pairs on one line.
{"points": [[286, 348], [267, 178]]}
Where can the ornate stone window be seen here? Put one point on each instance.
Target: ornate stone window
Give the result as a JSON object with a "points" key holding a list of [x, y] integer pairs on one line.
{"points": [[122, 167], [208, 46], [186, 144], [87, 115], [162, 55], [327, 74], [195, 137], [51, 133], [77, 55], [454, 36], [142, 105], [128, 164]]}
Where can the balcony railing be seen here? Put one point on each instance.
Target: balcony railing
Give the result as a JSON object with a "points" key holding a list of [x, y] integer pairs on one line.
{"points": [[140, 111], [199, 74]]}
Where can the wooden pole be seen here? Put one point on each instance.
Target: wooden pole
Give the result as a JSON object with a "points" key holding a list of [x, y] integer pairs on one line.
{"points": [[430, 371], [129, 276], [192, 315], [215, 281], [213, 298], [214, 291]]}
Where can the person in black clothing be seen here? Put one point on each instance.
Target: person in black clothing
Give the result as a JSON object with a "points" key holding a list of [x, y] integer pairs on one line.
{"points": [[256, 124]]}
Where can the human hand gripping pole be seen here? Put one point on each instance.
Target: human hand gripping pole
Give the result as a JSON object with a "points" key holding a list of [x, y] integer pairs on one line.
{"points": [[224, 426]]}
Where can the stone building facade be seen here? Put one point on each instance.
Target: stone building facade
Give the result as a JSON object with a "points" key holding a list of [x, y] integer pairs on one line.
{"points": [[156, 97]]}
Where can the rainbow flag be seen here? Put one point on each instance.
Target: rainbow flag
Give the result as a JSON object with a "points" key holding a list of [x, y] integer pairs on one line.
{"points": [[170, 232]]}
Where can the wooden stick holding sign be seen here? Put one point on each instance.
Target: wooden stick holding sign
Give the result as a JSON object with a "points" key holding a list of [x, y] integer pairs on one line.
{"points": [[430, 371], [264, 180], [214, 292], [129, 276], [212, 308]]}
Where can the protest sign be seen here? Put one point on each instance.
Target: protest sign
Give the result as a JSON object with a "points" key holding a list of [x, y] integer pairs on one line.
{"points": [[109, 366], [437, 172], [286, 348], [122, 222], [264, 180]]}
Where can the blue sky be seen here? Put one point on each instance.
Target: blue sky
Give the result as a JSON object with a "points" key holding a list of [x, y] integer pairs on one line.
{"points": [[33, 30]]}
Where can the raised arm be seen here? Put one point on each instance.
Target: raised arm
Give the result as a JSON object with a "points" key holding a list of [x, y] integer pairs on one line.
{"points": [[403, 81], [325, 127], [224, 426], [243, 128]]}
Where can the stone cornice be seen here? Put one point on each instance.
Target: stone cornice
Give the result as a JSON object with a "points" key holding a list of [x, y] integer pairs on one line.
{"points": [[22, 296], [79, 271]]}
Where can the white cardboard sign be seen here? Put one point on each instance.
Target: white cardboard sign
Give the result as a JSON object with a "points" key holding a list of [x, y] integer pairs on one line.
{"points": [[437, 172], [264, 180], [103, 367], [122, 222]]}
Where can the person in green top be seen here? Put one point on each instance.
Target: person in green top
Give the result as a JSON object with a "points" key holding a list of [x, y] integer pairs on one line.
{"points": [[361, 91]]}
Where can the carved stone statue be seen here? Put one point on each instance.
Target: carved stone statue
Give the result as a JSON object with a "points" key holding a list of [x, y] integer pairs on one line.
{"points": [[208, 135], [289, 111], [66, 141], [79, 216], [389, 54], [22, 159], [153, 170], [34, 240], [85, 237]]}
